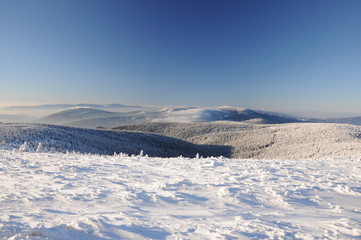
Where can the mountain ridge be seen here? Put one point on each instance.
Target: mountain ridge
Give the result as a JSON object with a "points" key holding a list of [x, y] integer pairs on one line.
{"points": [[63, 139], [92, 118], [260, 141], [69, 105]]}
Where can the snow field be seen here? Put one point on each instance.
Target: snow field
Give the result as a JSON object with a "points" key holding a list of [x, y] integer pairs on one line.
{"points": [[84, 196]]}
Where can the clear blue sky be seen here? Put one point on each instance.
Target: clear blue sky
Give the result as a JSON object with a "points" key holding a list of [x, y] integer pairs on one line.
{"points": [[292, 56]]}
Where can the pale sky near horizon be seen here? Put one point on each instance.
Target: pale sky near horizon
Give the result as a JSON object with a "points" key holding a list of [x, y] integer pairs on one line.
{"points": [[288, 56]]}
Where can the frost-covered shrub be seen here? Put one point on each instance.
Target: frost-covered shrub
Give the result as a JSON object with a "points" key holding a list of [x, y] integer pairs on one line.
{"points": [[39, 147], [24, 147]]}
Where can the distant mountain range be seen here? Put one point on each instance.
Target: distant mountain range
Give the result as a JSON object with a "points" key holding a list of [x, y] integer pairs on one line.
{"points": [[63, 114], [113, 115], [63, 106], [15, 118], [173, 131], [93, 118], [192, 114], [79, 114], [350, 120]]}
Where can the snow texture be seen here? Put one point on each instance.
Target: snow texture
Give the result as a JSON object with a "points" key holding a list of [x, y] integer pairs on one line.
{"points": [[97, 197]]}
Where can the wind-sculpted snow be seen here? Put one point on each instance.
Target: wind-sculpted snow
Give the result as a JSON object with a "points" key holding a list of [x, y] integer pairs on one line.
{"points": [[293, 140], [38, 137], [77, 196]]}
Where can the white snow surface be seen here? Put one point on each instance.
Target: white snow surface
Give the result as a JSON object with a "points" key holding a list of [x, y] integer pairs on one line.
{"points": [[84, 196]]}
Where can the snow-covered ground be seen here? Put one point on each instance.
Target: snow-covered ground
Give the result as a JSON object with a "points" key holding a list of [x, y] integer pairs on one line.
{"points": [[80, 196]]}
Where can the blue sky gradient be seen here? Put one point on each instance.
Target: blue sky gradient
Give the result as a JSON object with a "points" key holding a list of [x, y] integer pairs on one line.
{"points": [[290, 56]]}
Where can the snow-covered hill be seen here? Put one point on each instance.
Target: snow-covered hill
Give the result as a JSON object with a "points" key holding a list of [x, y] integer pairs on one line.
{"points": [[62, 139], [77, 114], [113, 115], [197, 114], [118, 119], [294, 140], [67, 106], [349, 120], [8, 118], [43, 111], [92, 118], [74, 196]]}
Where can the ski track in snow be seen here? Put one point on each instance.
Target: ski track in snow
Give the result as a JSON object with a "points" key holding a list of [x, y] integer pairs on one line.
{"points": [[83, 196]]}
